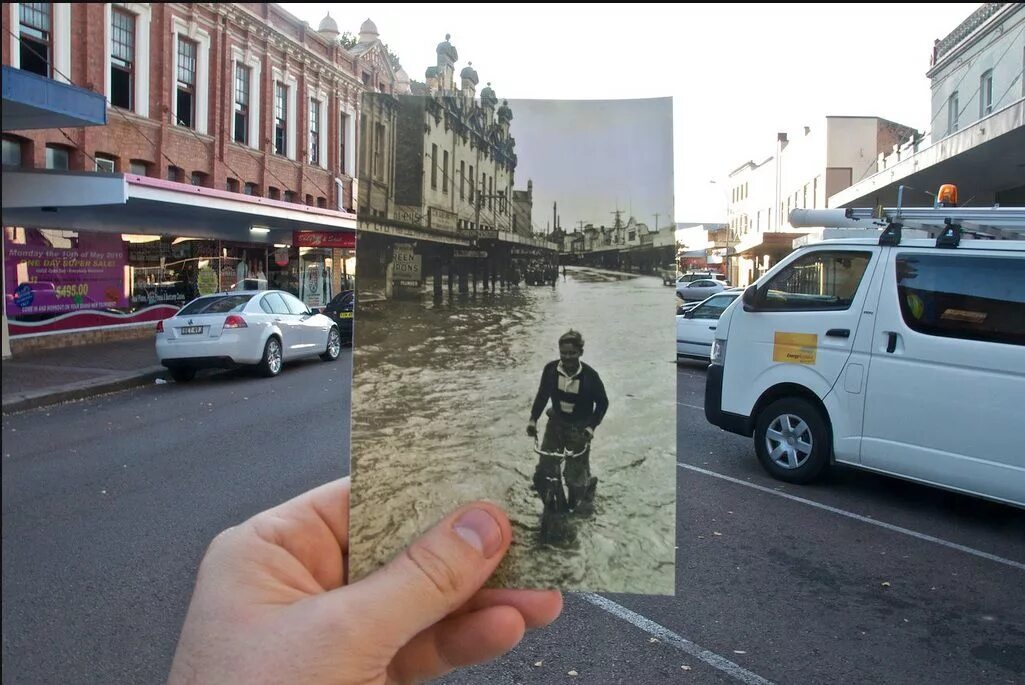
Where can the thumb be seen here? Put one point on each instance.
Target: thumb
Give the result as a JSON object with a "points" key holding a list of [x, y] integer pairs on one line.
{"points": [[434, 575]]}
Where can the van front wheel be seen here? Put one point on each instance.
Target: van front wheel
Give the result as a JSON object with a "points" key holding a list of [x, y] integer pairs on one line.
{"points": [[792, 440]]}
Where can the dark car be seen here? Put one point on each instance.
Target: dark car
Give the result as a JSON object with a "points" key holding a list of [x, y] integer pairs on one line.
{"points": [[339, 310]]}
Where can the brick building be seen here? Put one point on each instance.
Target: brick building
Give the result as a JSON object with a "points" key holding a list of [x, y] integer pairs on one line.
{"points": [[237, 96], [231, 134]]}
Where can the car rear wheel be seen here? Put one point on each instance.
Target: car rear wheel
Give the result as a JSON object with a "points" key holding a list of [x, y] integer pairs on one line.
{"points": [[792, 440], [182, 374], [334, 346], [270, 365]]}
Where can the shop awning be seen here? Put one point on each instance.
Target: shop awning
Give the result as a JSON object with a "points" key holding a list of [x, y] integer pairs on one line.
{"points": [[126, 203], [31, 101]]}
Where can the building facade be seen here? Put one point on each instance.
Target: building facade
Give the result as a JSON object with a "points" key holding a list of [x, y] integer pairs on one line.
{"points": [[240, 104], [803, 172], [977, 128]]}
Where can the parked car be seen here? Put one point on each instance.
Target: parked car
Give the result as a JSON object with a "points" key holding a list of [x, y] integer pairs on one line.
{"points": [[340, 310], [695, 328], [699, 290], [247, 328], [905, 358], [698, 275]]}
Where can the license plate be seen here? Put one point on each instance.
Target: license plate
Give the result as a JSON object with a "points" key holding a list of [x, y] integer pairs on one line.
{"points": [[344, 315], [191, 330]]}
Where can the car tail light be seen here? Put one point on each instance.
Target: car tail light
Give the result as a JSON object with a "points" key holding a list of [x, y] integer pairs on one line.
{"points": [[235, 321], [160, 326]]}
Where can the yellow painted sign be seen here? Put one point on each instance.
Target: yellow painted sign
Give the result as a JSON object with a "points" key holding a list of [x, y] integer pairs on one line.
{"points": [[795, 348]]}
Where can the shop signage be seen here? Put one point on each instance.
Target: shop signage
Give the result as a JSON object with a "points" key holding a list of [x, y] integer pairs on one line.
{"points": [[281, 256], [406, 266], [46, 280], [469, 254], [342, 239]]}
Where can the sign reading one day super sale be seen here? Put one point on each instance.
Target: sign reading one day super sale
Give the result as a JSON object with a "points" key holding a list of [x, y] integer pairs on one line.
{"points": [[45, 279]]}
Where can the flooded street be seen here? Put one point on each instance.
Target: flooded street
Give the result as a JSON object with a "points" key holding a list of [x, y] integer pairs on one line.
{"points": [[441, 399]]}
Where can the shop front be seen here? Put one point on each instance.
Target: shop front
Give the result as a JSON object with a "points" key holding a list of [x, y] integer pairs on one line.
{"points": [[112, 265]]}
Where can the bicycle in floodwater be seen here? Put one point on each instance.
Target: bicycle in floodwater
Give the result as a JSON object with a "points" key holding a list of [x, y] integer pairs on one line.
{"points": [[556, 528]]}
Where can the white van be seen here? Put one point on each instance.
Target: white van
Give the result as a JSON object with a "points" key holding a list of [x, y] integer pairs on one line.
{"points": [[903, 358]]}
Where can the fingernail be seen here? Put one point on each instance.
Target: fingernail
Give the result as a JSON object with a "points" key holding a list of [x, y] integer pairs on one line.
{"points": [[481, 530]]}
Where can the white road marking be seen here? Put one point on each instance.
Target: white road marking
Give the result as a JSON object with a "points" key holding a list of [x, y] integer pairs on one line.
{"points": [[669, 637], [858, 517], [692, 406]]}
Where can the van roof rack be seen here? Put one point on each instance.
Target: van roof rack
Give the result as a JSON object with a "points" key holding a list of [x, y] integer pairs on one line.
{"points": [[1000, 223]]}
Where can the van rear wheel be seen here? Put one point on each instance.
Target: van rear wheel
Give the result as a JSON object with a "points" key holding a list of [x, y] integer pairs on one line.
{"points": [[792, 440]]}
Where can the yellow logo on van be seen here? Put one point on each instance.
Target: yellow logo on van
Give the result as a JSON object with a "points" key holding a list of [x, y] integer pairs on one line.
{"points": [[795, 348]]}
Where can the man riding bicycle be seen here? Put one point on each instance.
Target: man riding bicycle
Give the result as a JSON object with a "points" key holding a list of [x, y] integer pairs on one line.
{"points": [[579, 404]]}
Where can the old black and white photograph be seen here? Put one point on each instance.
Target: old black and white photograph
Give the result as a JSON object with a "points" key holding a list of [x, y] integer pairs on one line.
{"points": [[513, 337]]}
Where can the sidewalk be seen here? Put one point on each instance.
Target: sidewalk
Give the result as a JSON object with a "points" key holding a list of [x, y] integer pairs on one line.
{"points": [[35, 379]]}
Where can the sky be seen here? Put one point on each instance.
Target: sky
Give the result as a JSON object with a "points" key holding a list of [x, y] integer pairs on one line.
{"points": [[737, 73], [595, 156]]}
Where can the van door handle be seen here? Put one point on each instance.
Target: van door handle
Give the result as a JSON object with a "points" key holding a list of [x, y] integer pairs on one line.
{"points": [[711, 328], [839, 333], [891, 342]]}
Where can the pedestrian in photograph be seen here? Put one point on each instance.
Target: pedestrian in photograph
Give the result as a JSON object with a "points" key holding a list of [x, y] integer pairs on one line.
{"points": [[579, 403]]}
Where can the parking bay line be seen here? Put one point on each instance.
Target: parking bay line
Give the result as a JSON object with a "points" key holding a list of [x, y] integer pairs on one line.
{"points": [[669, 637], [692, 406], [858, 517]]}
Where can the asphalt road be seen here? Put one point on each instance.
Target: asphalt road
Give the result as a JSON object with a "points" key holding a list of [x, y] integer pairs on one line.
{"points": [[108, 505]]}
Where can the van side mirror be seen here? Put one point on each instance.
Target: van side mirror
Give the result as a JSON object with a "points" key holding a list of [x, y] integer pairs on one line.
{"points": [[750, 298]]}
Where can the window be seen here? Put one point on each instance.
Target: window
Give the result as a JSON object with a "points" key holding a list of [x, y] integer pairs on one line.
{"points": [[105, 163], [444, 172], [217, 304], [280, 118], [289, 196], [36, 42], [473, 183], [322, 202], [12, 153], [343, 136], [241, 104], [198, 178], [186, 82], [57, 157], [713, 307], [122, 58], [294, 304], [139, 168], [273, 193], [275, 304], [309, 200], [379, 170], [491, 193], [314, 131], [434, 167], [232, 185], [952, 113], [176, 174], [986, 93], [969, 297], [818, 280], [462, 180], [250, 189]]}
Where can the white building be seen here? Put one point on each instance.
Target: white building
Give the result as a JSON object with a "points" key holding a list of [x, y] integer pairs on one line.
{"points": [[977, 138], [804, 170]]}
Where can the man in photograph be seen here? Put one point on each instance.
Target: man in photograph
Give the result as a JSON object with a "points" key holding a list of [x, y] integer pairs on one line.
{"points": [[579, 404]]}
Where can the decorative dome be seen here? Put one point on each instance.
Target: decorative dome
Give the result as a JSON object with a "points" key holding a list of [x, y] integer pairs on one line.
{"points": [[447, 49], [328, 25], [432, 72], [488, 97], [368, 32], [470, 74]]}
